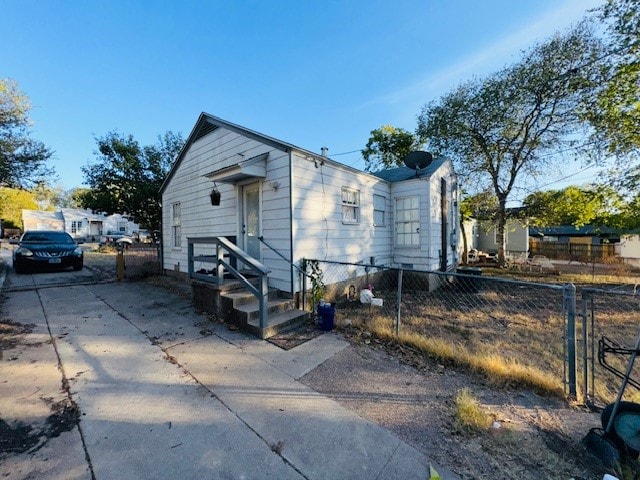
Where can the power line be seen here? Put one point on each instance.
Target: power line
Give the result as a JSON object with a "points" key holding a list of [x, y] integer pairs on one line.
{"points": [[345, 153]]}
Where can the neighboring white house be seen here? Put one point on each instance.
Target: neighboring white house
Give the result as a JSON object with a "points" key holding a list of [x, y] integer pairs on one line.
{"points": [[80, 224], [629, 249], [120, 224], [483, 235], [42, 220], [276, 197]]}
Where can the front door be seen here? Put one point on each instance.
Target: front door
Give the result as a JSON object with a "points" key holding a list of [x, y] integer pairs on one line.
{"points": [[251, 219]]}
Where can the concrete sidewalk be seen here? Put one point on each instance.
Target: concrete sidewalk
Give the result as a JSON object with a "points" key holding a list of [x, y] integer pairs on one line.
{"points": [[164, 393]]}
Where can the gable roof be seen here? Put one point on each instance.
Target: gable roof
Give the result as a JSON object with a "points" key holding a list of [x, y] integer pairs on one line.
{"points": [[41, 215], [75, 213], [405, 173], [207, 124]]}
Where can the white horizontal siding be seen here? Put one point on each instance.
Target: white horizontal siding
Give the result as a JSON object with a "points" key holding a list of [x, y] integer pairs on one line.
{"points": [[427, 255], [190, 187], [276, 221], [318, 229], [306, 207]]}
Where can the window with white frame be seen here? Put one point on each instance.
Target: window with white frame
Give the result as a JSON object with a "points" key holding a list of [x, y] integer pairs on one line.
{"points": [[407, 221], [76, 226], [122, 227], [350, 206], [176, 229], [379, 208]]}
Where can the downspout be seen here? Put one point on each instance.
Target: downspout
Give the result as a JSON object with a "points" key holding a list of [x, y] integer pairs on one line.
{"points": [[161, 250], [291, 220]]}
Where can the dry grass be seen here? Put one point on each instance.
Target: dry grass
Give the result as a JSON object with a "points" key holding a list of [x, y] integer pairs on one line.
{"points": [[512, 334], [469, 415], [499, 371]]}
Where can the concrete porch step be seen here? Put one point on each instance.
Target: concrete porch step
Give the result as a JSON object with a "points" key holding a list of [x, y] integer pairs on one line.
{"points": [[231, 302], [241, 297], [278, 323]]}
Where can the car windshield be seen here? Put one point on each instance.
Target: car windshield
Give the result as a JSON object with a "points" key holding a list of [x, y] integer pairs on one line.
{"points": [[47, 237]]}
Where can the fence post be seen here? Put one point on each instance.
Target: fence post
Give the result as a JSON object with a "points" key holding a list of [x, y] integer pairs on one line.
{"points": [[304, 284], [569, 295], [120, 268], [399, 298]]}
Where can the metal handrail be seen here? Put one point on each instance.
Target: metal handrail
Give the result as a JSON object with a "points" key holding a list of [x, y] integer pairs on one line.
{"points": [[283, 257], [222, 245], [305, 275]]}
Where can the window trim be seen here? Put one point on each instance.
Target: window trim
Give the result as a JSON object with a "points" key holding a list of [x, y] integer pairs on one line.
{"points": [[176, 225], [76, 226], [405, 222], [355, 205], [383, 210]]}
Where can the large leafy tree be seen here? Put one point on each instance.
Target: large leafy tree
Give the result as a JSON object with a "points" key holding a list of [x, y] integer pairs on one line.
{"points": [[12, 202], [387, 147], [127, 177], [616, 111], [574, 206], [74, 198], [509, 124], [48, 197], [23, 160]]}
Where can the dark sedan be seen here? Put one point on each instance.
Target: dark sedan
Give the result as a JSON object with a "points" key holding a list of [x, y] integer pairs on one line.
{"points": [[44, 248]]}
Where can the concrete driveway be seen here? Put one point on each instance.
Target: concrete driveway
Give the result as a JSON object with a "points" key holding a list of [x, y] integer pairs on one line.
{"points": [[139, 386]]}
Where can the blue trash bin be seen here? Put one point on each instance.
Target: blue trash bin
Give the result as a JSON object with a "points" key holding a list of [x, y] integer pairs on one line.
{"points": [[326, 312]]}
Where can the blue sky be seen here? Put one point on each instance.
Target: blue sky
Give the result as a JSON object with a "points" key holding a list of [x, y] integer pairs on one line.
{"points": [[309, 73]]}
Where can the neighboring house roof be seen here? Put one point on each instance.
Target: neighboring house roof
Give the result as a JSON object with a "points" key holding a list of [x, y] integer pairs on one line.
{"points": [[405, 173], [571, 230], [41, 215], [76, 213]]}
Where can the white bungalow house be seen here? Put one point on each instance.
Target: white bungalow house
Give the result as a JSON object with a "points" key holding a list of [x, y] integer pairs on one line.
{"points": [[81, 224], [279, 204]]}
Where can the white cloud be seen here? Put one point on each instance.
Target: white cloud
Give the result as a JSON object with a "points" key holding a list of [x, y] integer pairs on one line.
{"points": [[495, 56]]}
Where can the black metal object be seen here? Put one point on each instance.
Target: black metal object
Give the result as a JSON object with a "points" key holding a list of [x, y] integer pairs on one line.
{"points": [[215, 197], [620, 419], [606, 346]]}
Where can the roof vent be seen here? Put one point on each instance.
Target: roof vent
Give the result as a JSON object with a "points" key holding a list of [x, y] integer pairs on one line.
{"points": [[324, 151]]}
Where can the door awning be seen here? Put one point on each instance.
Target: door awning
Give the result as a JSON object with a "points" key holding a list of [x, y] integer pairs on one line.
{"points": [[253, 168]]}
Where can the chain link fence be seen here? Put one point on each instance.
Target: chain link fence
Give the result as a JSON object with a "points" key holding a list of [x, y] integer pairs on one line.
{"points": [[468, 314], [141, 260], [608, 332]]}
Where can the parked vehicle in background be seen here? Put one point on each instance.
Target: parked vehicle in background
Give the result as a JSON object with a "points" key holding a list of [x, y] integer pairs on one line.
{"points": [[47, 248], [142, 236], [113, 238]]}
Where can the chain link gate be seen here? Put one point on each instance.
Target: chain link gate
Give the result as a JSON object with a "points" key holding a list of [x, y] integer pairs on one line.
{"points": [[610, 323]]}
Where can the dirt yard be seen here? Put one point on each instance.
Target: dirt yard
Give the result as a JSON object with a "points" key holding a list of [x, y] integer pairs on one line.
{"points": [[531, 437]]}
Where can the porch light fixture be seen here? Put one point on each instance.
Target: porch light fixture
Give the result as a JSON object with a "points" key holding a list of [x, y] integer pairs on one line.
{"points": [[215, 196]]}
